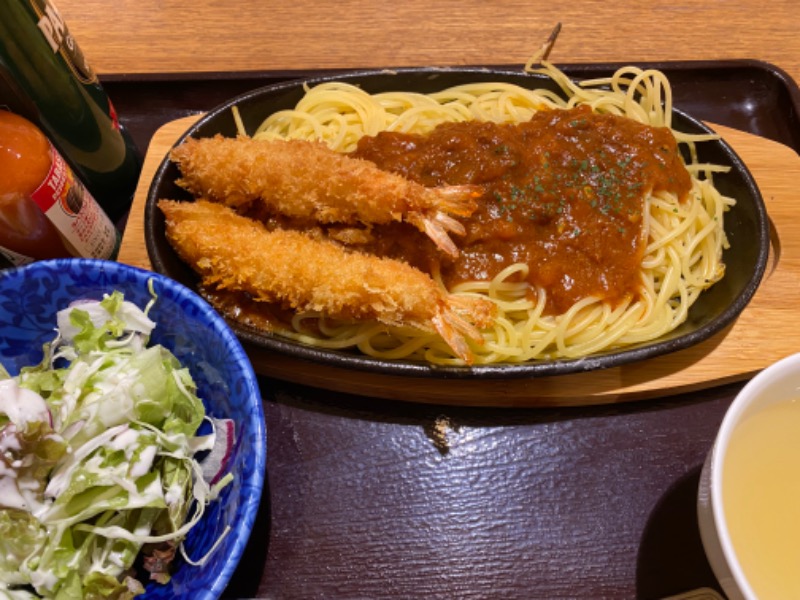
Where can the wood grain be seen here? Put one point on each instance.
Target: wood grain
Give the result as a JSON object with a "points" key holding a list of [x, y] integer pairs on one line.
{"points": [[762, 334], [137, 36]]}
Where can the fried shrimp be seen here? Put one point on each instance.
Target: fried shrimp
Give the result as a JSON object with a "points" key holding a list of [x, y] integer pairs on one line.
{"points": [[307, 180], [234, 253]]}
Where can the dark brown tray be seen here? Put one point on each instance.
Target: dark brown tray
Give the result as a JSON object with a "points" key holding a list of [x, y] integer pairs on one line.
{"points": [[749, 95], [591, 502]]}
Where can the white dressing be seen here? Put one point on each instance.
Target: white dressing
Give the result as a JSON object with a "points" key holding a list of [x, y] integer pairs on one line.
{"points": [[20, 405], [105, 455]]}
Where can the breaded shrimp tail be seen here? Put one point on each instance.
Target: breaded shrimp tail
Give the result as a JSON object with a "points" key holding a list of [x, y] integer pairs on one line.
{"points": [[307, 180], [234, 253]]}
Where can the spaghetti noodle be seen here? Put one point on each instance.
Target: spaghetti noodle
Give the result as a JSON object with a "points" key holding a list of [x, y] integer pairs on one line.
{"points": [[683, 238]]}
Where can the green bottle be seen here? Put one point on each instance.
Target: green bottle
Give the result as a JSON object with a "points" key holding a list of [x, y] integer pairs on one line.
{"points": [[45, 78]]}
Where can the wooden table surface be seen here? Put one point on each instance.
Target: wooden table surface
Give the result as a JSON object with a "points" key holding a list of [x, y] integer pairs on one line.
{"points": [[364, 500], [130, 36]]}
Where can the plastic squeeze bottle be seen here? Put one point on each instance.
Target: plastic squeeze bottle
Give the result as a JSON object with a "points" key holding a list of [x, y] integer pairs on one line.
{"points": [[45, 211]]}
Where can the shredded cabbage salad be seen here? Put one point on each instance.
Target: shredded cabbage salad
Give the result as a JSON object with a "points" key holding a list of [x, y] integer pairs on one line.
{"points": [[99, 470]]}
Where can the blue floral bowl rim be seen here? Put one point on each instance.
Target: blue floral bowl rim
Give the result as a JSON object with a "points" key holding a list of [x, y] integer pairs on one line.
{"points": [[176, 291]]}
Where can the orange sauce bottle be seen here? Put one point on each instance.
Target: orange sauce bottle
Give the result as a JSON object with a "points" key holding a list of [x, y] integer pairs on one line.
{"points": [[45, 212]]}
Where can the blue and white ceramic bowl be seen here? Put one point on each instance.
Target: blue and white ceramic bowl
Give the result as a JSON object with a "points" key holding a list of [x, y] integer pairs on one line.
{"points": [[30, 296]]}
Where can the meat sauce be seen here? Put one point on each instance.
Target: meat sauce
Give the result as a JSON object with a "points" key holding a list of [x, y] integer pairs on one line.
{"points": [[563, 193]]}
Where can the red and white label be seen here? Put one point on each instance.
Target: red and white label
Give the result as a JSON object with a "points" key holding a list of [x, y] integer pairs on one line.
{"points": [[85, 228]]}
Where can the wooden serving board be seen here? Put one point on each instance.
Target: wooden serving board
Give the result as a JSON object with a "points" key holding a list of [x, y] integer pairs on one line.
{"points": [[767, 330]]}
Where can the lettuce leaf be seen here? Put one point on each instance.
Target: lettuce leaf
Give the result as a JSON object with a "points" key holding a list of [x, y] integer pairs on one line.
{"points": [[107, 458]]}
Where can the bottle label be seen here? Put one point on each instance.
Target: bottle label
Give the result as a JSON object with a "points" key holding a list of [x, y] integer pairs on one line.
{"points": [[45, 77], [16, 259], [55, 31], [85, 228]]}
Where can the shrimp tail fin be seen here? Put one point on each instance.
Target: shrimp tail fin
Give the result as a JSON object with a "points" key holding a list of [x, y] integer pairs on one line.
{"points": [[459, 200], [455, 329], [448, 223], [449, 326], [437, 223], [436, 230], [479, 311]]}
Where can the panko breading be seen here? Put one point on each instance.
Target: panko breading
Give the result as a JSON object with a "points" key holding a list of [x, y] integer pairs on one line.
{"points": [[307, 180], [234, 253]]}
